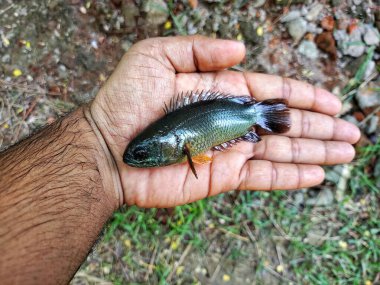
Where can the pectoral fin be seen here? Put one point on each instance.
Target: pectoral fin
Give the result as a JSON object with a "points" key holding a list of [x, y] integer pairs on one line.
{"points": [[190, 160], [202, 159]]}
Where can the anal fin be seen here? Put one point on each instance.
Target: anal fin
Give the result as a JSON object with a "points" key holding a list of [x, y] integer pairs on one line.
{"points": [[202, 159], [251, 136]]}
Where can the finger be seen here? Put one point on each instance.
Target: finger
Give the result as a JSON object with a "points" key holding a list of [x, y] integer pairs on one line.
{"points": [[195, 53], [299, 94], [305, 124], [284, 149], [266, 175]]}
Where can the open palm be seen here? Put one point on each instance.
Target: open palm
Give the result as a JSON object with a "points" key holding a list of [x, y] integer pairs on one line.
{"points": [[155, 70]]}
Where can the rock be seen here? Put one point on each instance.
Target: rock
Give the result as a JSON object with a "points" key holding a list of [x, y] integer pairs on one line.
{"points": [[377, 172], [350, 44], [126, 45], [371, 36], [357, 2], [130, 12], [326, 42], [308, 49], [257, 3], [324, 198], [297, 29], [156, 12], [336, 3], [328, 23], [373, 125], [314, 12], [368, 96], [371, 68], [292, 15]]}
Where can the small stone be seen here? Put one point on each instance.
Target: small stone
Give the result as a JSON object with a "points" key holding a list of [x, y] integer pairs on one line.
{"points": [[308, 49], [373, 125], [324, 198], [156, 12], [292, 15], [328, 23], [371, 68], [6, 58], [83, 10], [350, 44], [368, 96], [130, 12], [371, 36], [297, 28], [126, 45], [257, 3], [326, 42], [314, 12], [377, 172]]}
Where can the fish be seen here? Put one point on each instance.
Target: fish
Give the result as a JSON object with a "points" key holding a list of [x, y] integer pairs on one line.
{"points": [[197, 121]]}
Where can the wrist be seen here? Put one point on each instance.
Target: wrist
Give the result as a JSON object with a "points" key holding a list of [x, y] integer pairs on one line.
{"points": [[105, 162]]}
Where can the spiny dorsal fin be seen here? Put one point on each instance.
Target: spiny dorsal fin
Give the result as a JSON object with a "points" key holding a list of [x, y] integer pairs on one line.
{"points": [[249, 137], [184, 99]]}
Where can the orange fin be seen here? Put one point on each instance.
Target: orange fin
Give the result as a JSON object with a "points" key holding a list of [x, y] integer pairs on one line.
{"points": [[202, 159]]}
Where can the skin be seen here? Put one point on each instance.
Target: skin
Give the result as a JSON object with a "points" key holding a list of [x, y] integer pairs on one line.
{"points": [[59, 187]]}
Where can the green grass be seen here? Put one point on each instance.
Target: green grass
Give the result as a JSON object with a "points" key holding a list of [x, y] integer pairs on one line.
{"points": [[348, 253]]}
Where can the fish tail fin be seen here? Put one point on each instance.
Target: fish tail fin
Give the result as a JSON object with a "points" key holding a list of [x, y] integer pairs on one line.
{"points": [[273, 115]]}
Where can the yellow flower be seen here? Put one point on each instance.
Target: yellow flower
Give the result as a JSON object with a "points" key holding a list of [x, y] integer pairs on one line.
{"points": [[168, 25], [127, 243], [17, 72], [226, 278], [239, 37], [28, 45], [260, 31], [280, 268], [368, 282], [180, 270], [343, 245], [174, 244]]}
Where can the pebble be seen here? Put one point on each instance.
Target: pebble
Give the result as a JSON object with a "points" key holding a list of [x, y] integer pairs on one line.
{"points": [[126, 45], [156, 12], [373, 125], [371, 68], [257, 3], [292, 15], [350, 44], [308, 49], [371, 36], [368, 96], [297, 28], [377, 172], [324, 198], [314, 12]]}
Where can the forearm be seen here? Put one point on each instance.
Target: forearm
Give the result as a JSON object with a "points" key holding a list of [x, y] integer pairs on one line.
{"points": [[56, 193]]}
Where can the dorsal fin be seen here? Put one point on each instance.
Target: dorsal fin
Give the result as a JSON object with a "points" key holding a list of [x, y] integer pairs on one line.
{"points": [[251, 136], [184, 99]]}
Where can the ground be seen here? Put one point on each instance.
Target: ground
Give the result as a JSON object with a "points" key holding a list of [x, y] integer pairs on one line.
{"points": [[56, 54]]}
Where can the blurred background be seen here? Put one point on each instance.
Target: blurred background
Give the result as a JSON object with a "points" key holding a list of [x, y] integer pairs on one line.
{"points": [[55, 55]]}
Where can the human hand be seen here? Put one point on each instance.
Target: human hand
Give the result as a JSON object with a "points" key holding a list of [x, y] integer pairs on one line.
{"points": [[155, 70]]}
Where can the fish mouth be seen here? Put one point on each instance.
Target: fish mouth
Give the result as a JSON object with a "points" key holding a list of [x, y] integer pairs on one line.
{"points": [[127, 159]]}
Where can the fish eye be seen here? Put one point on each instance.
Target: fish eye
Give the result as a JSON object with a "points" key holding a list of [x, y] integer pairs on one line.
{"points": [[140, 153]]}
